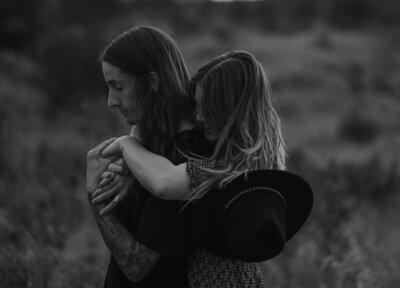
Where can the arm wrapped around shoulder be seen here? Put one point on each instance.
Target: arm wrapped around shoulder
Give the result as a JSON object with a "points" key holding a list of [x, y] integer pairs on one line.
{"points": [[197, 170]]}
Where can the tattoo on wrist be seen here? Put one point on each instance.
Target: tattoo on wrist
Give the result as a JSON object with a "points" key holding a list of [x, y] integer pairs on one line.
{"points": [[134, 259]]}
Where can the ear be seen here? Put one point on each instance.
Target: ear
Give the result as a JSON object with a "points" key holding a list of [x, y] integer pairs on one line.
{"points": [[154, 81]]}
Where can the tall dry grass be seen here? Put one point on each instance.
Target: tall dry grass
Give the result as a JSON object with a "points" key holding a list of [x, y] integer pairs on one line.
{"points": [[49, 239]]}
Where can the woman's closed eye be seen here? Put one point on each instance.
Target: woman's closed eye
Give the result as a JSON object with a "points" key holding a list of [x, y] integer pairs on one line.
{"points": [[117, 87]]}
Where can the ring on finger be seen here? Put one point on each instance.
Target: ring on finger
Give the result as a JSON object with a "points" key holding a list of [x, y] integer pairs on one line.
{"points": [[117, 198]]}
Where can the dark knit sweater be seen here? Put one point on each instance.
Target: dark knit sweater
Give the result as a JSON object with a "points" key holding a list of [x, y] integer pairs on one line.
{"points": [[208, 270]]}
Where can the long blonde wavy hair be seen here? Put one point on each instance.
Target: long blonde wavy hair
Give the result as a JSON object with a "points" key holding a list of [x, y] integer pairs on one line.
{"points": [[236, 102]]}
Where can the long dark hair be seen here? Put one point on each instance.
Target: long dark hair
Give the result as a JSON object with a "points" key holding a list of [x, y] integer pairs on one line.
{"points": [[138, 52]]}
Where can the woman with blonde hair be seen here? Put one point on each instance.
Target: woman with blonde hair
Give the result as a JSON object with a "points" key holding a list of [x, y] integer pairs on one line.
{"points": [[234, 103]]}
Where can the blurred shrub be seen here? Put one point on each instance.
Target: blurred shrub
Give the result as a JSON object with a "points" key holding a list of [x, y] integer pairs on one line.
{"points": [[342, 244], [25, 23], [384, 64], [70, 61], [66, 36], [295, 14], [359, 127], [323, 39], [45, 203], [371, 182], [296, 80], [40, 177], [74, 274], [19, 23], [20, 113], [388, 13], [29, 267], [86, 11], [354, 75], [350, 14], [43, 193], [383, 84], [19, 69], [342, 189]]}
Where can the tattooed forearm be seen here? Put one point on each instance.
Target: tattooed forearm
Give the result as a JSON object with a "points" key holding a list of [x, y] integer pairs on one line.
{"points": [[134, 259]]}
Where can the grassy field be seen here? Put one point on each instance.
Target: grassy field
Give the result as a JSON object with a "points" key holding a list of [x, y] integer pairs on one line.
{"points": [[338, 97]]}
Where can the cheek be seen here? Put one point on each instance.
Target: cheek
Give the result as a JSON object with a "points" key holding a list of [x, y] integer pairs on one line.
{"points": [[132, 105], [126, 99]]}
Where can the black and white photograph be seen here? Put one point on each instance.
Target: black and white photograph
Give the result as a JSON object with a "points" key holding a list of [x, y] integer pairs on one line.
{"points": [[199, 144]]}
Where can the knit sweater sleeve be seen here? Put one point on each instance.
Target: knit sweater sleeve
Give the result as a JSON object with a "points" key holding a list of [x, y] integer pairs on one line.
{"points": [[197, 170]]}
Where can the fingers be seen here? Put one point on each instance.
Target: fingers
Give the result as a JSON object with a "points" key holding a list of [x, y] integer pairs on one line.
{"points": [[96, 151], [111, 150], [119, 166], [104, 144], [120, 178], [121, 162], [117, 199], [108, 180], [118, 169], [105, 182], [105, 188], [108, 208], [118, 187], [105, 195], [107, 174]]}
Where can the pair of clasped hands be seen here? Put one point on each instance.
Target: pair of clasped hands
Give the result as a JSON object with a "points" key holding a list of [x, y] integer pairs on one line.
{"points": [[108, 178]]}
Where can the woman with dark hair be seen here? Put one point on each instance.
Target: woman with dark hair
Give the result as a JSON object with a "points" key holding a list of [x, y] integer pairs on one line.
{"points": [[234, 102], [148, 83]]}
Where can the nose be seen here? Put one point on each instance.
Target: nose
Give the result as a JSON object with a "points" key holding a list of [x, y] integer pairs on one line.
{"points": [[113, 100]]}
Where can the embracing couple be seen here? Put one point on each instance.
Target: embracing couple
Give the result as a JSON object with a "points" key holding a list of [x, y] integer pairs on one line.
{"points": [[196, 195]]}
